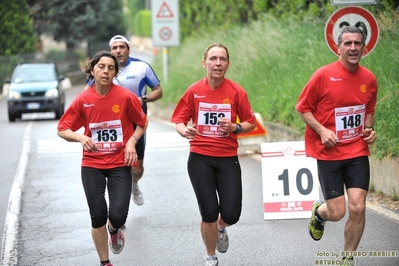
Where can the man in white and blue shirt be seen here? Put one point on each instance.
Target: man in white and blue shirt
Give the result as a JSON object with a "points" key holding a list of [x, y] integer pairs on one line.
{"points": [[135, 75]]}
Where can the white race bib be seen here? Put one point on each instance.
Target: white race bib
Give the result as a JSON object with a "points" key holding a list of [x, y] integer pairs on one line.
{"points": [[208, 118], [107, 135], [349, 122]]}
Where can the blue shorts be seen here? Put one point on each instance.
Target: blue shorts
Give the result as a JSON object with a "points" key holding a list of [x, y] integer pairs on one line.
{"points": [[351, 173], [140, 146]]}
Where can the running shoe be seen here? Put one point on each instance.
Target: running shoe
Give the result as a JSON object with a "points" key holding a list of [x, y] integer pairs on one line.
{"points": [[116, 242], [211, 262], [348, 261], [223, 241], [137, 195], [107, 264], [316, 228]]}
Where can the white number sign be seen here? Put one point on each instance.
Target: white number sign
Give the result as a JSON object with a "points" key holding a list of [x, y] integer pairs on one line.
{"points": [[290, 180]]}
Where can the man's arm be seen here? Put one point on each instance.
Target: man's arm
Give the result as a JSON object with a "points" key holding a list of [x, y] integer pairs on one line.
{"points": [[369, 133], [327, 136], [154, 94]]}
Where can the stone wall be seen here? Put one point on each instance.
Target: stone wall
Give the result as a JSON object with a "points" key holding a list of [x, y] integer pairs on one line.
{"points": [[385, 175]]}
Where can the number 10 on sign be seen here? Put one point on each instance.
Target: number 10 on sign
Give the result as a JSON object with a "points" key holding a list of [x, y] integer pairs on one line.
{"points": [[290, 181]]}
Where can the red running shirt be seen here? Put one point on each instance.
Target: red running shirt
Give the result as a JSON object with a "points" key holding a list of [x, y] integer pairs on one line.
{"points": [[108, 120], [333, 88], [203, 106]]}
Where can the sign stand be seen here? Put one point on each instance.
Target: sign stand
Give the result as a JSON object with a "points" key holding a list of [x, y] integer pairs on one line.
{"points": [[353, 2], [165, 27], [165, 56]]}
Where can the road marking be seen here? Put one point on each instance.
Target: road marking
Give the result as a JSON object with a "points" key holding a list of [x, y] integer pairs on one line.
{"points": [[57, 147], [384, 211], [165, 141], [10, 242]]}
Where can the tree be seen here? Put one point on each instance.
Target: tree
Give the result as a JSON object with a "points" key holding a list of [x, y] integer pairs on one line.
{"points": [[78, 20], [16, 31], [132, 8]]}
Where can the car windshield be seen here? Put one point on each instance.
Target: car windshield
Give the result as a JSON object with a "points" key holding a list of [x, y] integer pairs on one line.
{"points": [[34, 74]]}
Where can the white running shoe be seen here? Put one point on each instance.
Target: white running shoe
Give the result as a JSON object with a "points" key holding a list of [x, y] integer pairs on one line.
{"points": [[223, 241], [211, 262], [138, 198]]}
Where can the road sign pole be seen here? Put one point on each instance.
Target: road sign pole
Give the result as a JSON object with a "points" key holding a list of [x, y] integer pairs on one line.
{"points": [[165, 63]]}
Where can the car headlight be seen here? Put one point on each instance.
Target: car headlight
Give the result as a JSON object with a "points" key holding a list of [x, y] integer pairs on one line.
{"points": [[52, 93], [14, 95]]}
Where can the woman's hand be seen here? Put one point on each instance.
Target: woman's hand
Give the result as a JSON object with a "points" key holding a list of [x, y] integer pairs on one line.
{"points": [[88, 144], [130, 152]]}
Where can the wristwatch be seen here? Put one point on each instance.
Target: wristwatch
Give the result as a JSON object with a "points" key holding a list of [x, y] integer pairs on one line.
{"points": [[144, 98], [238, 129]]}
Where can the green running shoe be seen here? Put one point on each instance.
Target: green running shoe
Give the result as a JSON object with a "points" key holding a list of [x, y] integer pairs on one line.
{"points": [[316, 228]]}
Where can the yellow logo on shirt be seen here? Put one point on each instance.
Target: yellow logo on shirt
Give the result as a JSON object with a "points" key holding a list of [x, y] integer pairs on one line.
{"points": [[116, 108], [226, 100], [363, 88]]}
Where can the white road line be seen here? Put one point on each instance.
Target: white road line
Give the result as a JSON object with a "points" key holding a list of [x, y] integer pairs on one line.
{"points": [[165, 141], [10, 242], [57, 147]]}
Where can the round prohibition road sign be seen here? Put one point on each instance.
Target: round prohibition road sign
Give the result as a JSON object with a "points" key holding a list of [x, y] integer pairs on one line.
{"points": [[165, 33], [352, 16]]}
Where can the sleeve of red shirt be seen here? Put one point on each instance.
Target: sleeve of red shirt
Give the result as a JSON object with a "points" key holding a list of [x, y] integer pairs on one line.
{"points": [[183, 112], [244, 110], [71, 118], [307, 100]]}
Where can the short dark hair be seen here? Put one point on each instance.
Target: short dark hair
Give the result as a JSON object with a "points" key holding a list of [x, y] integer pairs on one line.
{"points": [[87, 65], [350, 29]]}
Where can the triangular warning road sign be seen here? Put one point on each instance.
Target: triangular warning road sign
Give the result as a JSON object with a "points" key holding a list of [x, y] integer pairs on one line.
{"points": [[259, 130], [164, 11]]}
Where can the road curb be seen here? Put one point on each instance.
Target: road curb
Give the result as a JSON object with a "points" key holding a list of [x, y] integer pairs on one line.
{"points": [[384, 211]]}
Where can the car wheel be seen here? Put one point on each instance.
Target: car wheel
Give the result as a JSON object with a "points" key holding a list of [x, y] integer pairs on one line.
{"points": [[60, 112], [11, 117]]}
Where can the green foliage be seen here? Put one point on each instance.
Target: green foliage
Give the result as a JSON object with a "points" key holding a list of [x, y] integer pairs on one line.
{"points": [[384, 61], [129, 14], [77, 21], [274, 58], [142, 23], [16, 31], [196, 16], [395, 197]]}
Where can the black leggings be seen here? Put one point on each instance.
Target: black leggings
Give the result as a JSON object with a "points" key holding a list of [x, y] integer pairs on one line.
{"points": [[217, 185], [119, 183]]}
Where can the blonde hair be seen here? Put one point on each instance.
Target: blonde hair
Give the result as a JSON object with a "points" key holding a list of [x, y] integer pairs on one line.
{"points": [[216, 45]]}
